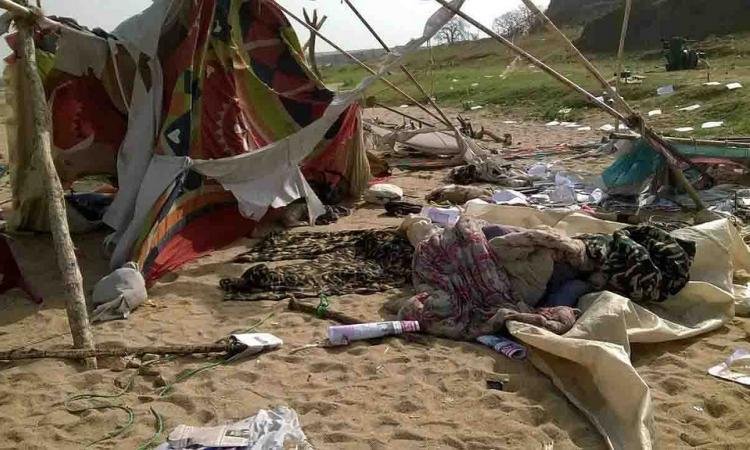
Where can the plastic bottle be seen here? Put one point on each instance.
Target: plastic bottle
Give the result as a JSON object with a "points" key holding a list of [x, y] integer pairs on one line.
{"points": [[344, 334]]}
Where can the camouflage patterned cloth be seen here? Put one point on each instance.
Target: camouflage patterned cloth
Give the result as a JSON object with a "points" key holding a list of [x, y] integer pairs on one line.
{"points": [[345, 262], [643, 263]]}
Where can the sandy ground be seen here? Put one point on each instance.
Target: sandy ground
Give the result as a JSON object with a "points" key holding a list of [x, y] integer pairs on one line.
{"points": [[382, 394]]}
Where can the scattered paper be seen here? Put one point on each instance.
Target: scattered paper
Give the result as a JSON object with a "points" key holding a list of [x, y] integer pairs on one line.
{"points": [[489, 76], [712, 83], [655, 112], [404, 106], [684, 129], [733, 86], [600, 99], [474, 108], [554, 123], [713, 124], [623, 127], [474, 84], [665, 90], [538, 170], [584, 129], [509, 122], [509, 197], [690, 108], [454, 81], [735, 368], [570, 124], [607, 127]]}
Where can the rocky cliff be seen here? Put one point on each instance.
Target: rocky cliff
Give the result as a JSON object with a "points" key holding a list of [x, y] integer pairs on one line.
{"points": [[652, 20], [579, 12]]}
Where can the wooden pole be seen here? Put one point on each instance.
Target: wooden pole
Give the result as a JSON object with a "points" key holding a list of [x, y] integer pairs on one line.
{"points": [[15, 355], [360, 63], [621, 49], [679, 140], [395, 111], [403, 68], [311, 42], [78, 319], [633, 120]]}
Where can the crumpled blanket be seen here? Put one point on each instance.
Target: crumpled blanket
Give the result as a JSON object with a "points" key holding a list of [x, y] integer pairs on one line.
{"points": [[643, 263], [464, 292], [529, 256], [491, 170], [458, 195], [345, 262]]}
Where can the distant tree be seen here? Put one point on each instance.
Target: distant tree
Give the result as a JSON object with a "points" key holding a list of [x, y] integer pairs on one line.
{"points": [[457, 30], [514, 23]]}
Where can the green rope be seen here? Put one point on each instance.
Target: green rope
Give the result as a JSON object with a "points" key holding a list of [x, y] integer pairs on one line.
{"points": [[119, 429], [156, 438], [322, 309]]}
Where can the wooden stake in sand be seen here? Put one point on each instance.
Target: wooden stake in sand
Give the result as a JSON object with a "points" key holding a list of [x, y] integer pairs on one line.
{"points": [[66, 259], [621, 49]]}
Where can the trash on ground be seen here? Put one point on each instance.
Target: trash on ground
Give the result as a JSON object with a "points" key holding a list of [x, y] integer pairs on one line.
{"points": [[509, 197], [690, 108], [474, 108], [255, 343], [344, 334], [442, 216], [584, 129], [665, 90], [736, 368], [733, 86], [712, 83], [554, 123], [716, 124], [278, 428], [507, 347], [607, 127], [654, 112], [382, 193], [684, 129]]}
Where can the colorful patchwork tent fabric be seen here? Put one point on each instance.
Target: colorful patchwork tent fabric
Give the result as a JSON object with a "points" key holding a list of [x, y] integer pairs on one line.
{"points": [[219, 78]]}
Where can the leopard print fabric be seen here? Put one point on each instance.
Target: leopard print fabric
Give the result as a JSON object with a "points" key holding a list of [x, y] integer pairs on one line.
{"points": [[345, 262]]}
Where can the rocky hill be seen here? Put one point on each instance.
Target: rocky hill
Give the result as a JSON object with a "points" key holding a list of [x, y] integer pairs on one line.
{"points": [[579, 12], [652, 20]]}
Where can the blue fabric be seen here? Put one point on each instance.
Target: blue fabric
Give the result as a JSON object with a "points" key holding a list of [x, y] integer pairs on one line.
{"points": [[568, 293], [633, 168]]}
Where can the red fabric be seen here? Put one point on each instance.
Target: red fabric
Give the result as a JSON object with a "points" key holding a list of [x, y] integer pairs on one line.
{"points": [[333, 160], [10, 273], [200, 237], [81, 108]]}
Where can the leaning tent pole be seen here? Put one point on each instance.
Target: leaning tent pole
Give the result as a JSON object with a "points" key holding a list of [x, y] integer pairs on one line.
{"points": [[78, 319], [621, 49], [403, 114], [422, 90], [360, 63], [633, 120]]}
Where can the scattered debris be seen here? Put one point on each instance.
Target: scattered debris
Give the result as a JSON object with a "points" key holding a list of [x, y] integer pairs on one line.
{"points": [[712, 124], [654, 112], [733, 86], [665, 90], [584, 129], [507, 347], [344, 334], [712, 83], [684, 129], [441, 216], [554, 123], [382, 193], [735, 368], [690, 108], [607, 127], [474, 108]]}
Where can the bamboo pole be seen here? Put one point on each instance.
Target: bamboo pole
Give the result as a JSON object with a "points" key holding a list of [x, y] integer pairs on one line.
{"points": [[360, 63], [311, 42], [395, 111], [589, 66], [633, 120], [679, 140], [401, 66], [71, 353], [621, 49], [78, 319]]}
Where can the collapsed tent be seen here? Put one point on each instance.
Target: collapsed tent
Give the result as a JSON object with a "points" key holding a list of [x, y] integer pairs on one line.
{"points": [[182, 82]]}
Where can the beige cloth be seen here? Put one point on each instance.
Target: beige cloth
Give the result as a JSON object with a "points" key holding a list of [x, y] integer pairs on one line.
{"points": [[590, 364]]}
